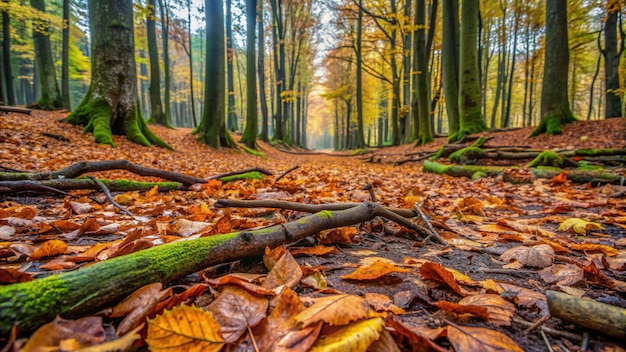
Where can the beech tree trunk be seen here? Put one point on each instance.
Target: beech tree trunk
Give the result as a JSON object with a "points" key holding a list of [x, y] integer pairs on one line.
{"points": [[111, 105], [65, 58], [250, 131], [421, 105], [50, 94], [212, 127], [261, 73], [450, 65], [611, 52], [6, 57], [156, 106], [163, 6], [555, 109], [231, 120]]}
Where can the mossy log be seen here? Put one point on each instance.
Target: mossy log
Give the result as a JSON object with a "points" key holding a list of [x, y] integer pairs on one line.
{"points": [[546, 157], [600, 317], [474, 172], [89, 289], [46, 186], [450, 149]]}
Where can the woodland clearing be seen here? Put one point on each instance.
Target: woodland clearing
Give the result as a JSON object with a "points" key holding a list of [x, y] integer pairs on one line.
{"points": [[507, 245]]}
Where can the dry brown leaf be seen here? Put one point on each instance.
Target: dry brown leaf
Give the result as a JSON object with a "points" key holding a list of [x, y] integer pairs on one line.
{"points": [[184, 328], [272, 256], [286, 272], [186, 228], [335, 310], [500, 310], [136, 299], [318, 250], [85, 331], [479, 312], [12, 275], [374, 271], [437, 272], [280, 321], [539, 256], [470, 339], [236, 310], [49, 249], [382, 303], [562, 274]]}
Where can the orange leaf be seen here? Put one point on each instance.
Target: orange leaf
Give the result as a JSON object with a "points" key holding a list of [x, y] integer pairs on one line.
{"points": [[318, 250], [374, 271], [466, 338], [12, 275], [592, 247], [184, 328], [436, 272], [479, 312], [559, 179], [49, 249], [286, 272], [500, 310], [86, 331], [335, 310]]}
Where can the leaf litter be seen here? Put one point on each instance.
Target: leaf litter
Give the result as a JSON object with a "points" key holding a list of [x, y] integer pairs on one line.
{"points": [[374, 280]]}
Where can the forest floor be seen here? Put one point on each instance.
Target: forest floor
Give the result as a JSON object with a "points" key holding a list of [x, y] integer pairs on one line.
{"points": [[479, 219]]}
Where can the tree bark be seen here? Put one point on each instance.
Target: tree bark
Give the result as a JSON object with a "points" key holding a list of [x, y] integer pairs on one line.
{"points": [[156, 106], [421, 106], [50, 94], [231, 119], [612, 53], [165, 24], [555, 110], [65, 58], [450, 66], [250, 131], [6, 57], [111, 105], [261, 73], [471, 119], [212, 127]]}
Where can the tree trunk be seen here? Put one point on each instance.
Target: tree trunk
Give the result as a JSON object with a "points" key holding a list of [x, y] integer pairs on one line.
{"points": [[6, 57], [250, 131], [231, 120], [165, 25], [65, 58], [421, 115], [278, 38], [191, 82], [555, 109], [50, 94], [450, 58], [111, 105], [471, 119], [360, 142], [261, 73], [156, 106], [212, 127], [611, 52], [507, 112], [404, 132]]}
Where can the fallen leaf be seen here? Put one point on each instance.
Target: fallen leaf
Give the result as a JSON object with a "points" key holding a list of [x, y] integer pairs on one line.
{"points": [[12, 275], [382, 303], [285, 272], [593, 247], [562, 274], [186, 228], [318, 250], [374, 271], [479, 312], [470, 339], [539, 256], [335, 310], [184, 328], [579, 226], [437, 272], [86, 331], [49, 249], [357, 336], [236, 310], [500, 310]]}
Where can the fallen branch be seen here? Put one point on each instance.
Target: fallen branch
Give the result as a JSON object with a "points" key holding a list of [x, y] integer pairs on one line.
{"points": [[56, 136], [233, 173], [601, 317], [55, 186], [475, 172], [14, 109], [107, 194], [286, 172], [84, 291]]}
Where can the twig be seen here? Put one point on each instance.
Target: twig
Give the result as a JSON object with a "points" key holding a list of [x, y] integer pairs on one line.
{"points": [[107, 193], [28, 185], [307, 208], [368, 187], [56, 136], [256, 348], [537, 323], [418, 209], [386, 213], [553, 332], [252, 169], [286, 172], [545, 339]]}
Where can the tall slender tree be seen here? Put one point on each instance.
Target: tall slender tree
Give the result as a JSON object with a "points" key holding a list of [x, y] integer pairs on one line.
{"points": [[50, 93], [450, 65], [6, 57], [555, 109], [156, 106], [612, 52], [360, 140], [250, 131], [165, 25], [421, 105], [212, 127], [112, 105], [65, 58], [231, 119], [470, 114], [261, 72]]}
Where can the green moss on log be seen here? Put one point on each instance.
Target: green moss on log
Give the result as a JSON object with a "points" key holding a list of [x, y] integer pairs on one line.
{"points": [[254, 175], [547, 158], [466, 155]]}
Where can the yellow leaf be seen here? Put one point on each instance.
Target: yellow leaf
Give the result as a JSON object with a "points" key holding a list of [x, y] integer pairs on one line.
{"points": [[184, 327], [335, 310], [355, 337], [579, 226]]}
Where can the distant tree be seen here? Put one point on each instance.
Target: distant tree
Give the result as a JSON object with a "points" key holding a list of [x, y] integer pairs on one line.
{"points": [[421, 105], [6, 57], [555, 108], [212, 127], [250, 131], [470, 114], [50, 94], [261, 72], [65, 58], [231, 119], [360, 140], [157, 115], [111, 104], [612, 52], [278, 41], [165, 35], [450, 65]]}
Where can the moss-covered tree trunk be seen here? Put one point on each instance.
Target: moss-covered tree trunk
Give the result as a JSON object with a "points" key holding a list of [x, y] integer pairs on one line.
{"points": [[421, 112], [156, 106], [111, 104], [50, 93], [555, 110], [250, 131], [450, 65], [212, 128], [470, 115]]}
